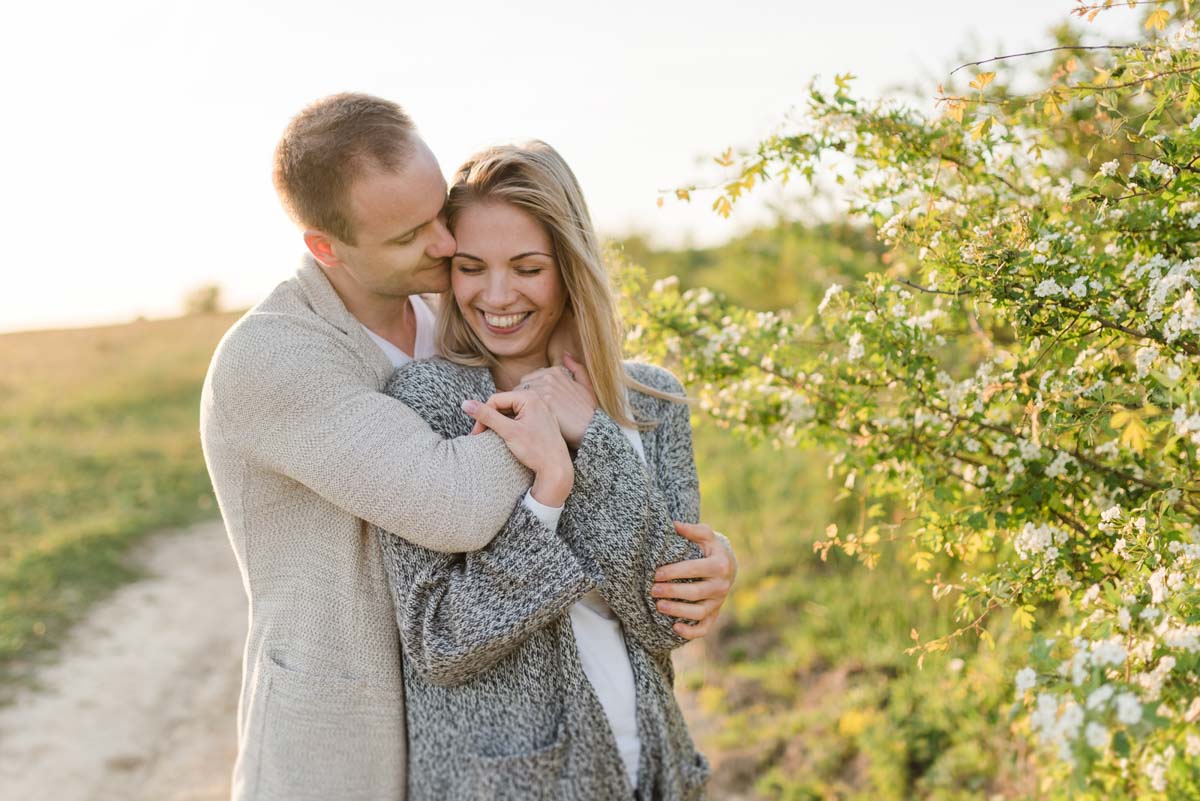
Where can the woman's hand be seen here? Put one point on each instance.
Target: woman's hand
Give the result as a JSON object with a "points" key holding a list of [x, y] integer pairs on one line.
{"points": [[697, 600], [531, 433], [567, 390]]}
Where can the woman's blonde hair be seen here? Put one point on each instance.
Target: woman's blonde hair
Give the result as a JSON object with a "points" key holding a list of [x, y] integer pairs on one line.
{"points": [[535, 178]]}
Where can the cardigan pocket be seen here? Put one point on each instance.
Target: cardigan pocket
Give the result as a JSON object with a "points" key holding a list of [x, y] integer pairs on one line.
{"points": [[537, 775], [324, 737]]}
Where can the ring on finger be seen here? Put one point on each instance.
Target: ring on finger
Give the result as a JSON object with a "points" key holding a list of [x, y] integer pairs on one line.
{"points": [[567, 370]]}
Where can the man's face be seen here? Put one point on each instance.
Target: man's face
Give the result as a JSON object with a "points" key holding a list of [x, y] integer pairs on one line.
{"points": [[403, 246]]}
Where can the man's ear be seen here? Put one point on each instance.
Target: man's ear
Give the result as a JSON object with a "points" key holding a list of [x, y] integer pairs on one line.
{"points": [[321, 248]]}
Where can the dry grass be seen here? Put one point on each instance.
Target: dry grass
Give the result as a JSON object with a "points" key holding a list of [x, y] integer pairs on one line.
{"points": [[99, 445]]}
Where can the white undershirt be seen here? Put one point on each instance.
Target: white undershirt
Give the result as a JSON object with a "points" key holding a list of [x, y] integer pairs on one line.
{"points": [[424, 345], [597, 630]]}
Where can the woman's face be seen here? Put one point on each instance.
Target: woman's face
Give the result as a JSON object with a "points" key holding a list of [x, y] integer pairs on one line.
{"points": [[505, 279]]}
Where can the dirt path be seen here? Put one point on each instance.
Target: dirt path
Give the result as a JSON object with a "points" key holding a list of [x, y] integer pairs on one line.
{"points": [[142, 702]]}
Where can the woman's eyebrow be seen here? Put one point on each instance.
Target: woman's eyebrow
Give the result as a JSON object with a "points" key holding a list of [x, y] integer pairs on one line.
{"points": [[531, 253], [461, 255]]}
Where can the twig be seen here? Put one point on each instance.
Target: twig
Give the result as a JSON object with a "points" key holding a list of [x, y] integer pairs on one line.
{"points": [[1039, 52], [1147, 79], [1069, 88], [1084, 8], [1150, 334], [919, 288]]}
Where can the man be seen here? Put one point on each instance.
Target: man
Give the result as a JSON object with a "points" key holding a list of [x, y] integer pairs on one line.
{"points": [[304, 452]]}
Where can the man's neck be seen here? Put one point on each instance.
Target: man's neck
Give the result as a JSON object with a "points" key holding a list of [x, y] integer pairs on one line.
{"points": [[390, 316]]}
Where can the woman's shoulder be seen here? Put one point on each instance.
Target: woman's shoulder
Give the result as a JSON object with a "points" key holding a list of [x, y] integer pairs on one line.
{"points": [[654, 377]]}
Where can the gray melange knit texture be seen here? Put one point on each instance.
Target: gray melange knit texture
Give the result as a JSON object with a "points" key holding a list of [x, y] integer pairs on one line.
{"points": [[302, 448], [498, 704]]}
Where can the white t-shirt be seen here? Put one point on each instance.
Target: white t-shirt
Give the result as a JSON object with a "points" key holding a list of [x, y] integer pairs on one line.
{"points": [[424, 346], [597, 630]]}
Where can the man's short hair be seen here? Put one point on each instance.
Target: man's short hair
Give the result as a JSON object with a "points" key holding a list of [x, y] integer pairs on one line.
{"points": [[327, 146]]}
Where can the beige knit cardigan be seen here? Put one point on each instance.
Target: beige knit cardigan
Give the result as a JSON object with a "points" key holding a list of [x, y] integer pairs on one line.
{"points": [[304, 452]]}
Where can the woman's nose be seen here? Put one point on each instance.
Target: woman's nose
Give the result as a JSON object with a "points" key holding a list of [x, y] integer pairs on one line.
{"points": [[499, 290]]}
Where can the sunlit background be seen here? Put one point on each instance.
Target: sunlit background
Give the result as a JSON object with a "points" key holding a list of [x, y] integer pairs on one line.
{"points": [[137, 142], [138, 134]]}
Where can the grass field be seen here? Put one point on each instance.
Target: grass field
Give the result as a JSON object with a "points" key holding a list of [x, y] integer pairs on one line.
{"points": [[99, 445], [808, 677]]}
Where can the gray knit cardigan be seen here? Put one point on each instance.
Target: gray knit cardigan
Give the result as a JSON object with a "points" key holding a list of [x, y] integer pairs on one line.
{"points": [[497, 702]]}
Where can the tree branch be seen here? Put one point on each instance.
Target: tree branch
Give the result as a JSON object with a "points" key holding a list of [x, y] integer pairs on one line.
{"points": [[908, 283], [1040, 52]]}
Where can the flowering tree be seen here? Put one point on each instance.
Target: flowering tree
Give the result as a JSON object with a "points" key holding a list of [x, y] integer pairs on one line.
{"points": [[1021, 379]]}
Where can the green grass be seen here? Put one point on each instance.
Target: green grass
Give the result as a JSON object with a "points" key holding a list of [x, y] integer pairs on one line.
{"points": [[99, 445], [808, 678]]}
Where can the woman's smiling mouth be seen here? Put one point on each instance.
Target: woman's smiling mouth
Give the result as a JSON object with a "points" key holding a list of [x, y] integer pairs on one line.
{"points": [[504, 323]]}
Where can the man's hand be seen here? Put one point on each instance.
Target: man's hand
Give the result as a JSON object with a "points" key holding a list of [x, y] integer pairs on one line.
{"points": [[567, 390], [697, 600], [531, 433]]}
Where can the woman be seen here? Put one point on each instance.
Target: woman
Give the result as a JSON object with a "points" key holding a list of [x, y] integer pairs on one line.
{"points": [[539, 667]]}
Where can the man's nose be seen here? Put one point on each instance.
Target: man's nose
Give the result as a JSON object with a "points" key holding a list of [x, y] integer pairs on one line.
{"points": [[443, 245]]}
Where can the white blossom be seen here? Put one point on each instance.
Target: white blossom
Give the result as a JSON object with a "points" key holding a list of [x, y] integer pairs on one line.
{"points": [[1158, 586], [1108, 652], [856, 350], [1129, 709], [830, 294], [1156, 766], [1097, 736], [1048, 288], [1144, 359], [1026, 680], [1100, 696], [1162, 170]]}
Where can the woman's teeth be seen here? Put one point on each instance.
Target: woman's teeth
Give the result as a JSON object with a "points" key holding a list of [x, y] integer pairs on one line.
{"points": [[505, 321]]}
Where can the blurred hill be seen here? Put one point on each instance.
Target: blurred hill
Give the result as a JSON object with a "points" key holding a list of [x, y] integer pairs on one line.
{"points": [[787, 266]]}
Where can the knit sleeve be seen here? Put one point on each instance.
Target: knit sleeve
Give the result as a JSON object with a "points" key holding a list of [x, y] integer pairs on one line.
{"points": [[621, 522], [293, 400], [459, 614]]}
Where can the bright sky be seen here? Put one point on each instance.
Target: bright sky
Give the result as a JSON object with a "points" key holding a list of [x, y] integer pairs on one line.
{"points": [[138, 135]]}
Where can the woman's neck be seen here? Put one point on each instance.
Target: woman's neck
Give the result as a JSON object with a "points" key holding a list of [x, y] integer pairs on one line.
{"points": [[509, 371]]}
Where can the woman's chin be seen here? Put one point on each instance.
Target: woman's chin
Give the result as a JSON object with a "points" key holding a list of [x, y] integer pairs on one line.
{"points": [[504, 347]]}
